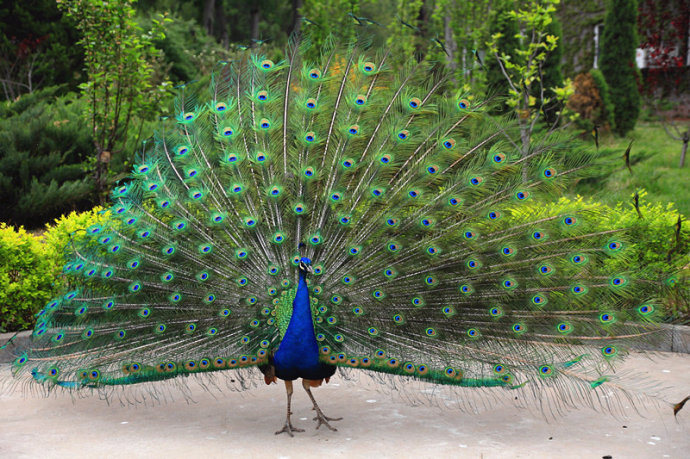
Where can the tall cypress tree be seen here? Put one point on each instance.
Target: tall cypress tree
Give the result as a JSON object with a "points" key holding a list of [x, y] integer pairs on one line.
{"points": [[618, 62]]}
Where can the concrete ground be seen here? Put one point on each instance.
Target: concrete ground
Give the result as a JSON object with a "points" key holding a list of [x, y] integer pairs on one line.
{"points": [[375, 424]]}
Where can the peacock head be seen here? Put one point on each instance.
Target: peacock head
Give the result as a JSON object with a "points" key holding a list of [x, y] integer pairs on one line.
{"points": [[305, 265]]}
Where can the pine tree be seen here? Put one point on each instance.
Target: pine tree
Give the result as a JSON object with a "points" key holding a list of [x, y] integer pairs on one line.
{"points": [[618, 62]]}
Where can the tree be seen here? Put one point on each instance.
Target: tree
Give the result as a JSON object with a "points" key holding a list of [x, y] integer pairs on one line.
{"points": [[403, 39], [507, 43], [552, 75], [44, 143], [664, 29], [327, 17], [524, 71], [120, 84], [463, 27], [36, 48], [618, 62]]}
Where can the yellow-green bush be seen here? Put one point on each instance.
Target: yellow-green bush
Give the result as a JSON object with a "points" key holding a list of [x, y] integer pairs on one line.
{"points": [[650, 237], [30, 266], [70, 229], [652, 253], [27, 278]]}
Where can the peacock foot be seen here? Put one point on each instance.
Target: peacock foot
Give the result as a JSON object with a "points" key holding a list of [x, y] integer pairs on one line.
{"points": [[323, 419], [288, 428]]}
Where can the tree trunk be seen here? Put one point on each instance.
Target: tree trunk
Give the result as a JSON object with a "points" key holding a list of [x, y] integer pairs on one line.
{"points": [[207, 19], [222, 28], [423, 24], [296, 19], [451, 46], [423, 20], [525, 140], [255, 17], [686, 139], [99, 179]]}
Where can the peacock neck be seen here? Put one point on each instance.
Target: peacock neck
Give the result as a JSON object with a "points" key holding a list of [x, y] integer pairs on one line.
{"points": [[301, 304], [299, 347]]}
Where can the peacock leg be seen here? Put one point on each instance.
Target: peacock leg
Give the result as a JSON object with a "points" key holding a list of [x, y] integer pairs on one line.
{"points": [[322, 418], [287, 428]]}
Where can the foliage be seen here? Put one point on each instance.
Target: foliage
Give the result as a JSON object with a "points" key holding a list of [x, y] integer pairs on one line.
{"points": [[524, 71], [664, 28], [506, 27], [618, 62], [650, 239], [469, 31], [552, 74], [591, 101], [402, 40], [42, 146], [30, 265], [70, 229], [329, 16], [26, 278], [118, 59], [37, 48], [188, 52]]}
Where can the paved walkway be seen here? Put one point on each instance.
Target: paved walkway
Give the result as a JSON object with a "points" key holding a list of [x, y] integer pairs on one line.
{"points": [[374, 424]]}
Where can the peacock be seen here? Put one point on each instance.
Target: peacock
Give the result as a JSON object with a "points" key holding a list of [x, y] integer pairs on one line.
{"points": [[335, 212]]}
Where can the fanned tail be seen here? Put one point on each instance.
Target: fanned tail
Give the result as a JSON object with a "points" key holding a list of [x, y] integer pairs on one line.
{"points": [[436, 252]]}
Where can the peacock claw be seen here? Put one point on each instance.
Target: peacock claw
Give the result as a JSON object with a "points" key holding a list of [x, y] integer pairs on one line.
{"points": [[323, 419], [288, 429]]}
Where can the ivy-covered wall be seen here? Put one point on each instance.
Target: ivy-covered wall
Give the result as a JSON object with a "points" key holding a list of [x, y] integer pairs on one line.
{"points": [[578, 19]]}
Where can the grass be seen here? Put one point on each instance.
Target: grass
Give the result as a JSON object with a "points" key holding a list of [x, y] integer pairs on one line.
{"points": [[654, 157]]}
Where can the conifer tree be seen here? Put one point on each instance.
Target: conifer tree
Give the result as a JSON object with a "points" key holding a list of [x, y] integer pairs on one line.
{"points": [[618, 62]]}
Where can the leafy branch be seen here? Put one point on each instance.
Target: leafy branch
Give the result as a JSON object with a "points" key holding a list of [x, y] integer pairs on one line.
{"points": [[523, 68], [120, 85]]}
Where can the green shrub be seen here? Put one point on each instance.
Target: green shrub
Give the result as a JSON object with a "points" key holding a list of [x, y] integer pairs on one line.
{"points": [[649, 240], [651, 237], [606, 110], [30, 265], [70, 229], [27, 278], [44, 142]]}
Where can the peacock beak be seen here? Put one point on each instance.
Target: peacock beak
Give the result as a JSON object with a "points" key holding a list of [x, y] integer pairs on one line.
{"points": [[310, 270]]}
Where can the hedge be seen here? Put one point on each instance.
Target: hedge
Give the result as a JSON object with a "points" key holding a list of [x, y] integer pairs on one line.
{"points": [[30, 266]]}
